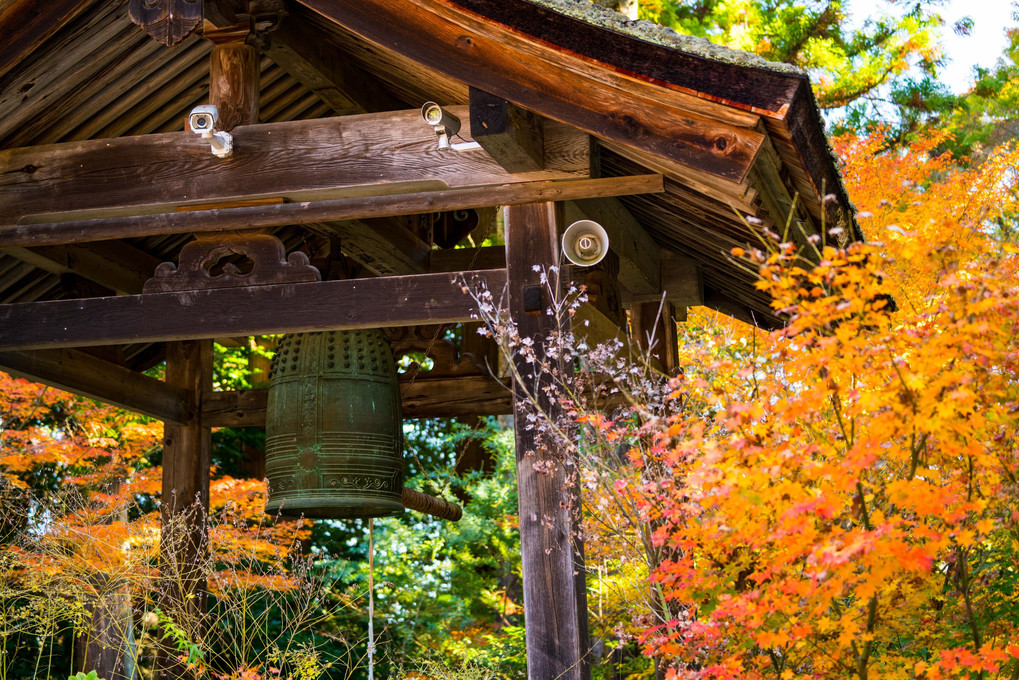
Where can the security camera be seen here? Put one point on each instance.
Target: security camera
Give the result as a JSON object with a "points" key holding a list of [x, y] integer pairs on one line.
{"points": [[446, 125], [203, 121], [439, 118], [204, 118]]}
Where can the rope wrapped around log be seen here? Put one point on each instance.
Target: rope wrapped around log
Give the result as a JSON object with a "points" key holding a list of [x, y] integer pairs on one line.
{"points": [[430, 505]]}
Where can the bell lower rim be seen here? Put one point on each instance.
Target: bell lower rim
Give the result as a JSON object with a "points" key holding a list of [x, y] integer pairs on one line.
{"points": [[332, 508]]}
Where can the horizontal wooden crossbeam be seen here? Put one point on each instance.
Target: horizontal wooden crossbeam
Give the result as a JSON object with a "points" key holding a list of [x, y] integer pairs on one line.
{"points": [[252, 310], [422, 398], [312, 212], [82, 373], [343, 156]]}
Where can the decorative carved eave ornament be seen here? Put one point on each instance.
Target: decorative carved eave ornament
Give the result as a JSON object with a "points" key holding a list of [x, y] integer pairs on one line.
{"points": [[168, 21]]}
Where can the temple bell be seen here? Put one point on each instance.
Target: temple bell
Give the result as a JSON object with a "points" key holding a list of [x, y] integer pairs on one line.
{"points": [[334, 436]]}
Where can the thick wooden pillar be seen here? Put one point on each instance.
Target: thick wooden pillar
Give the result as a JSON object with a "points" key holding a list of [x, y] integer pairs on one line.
{"points": [[185, 500], [555, 598]]}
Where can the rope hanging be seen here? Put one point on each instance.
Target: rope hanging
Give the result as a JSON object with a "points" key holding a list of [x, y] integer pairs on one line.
{"points": [[371, 600]]}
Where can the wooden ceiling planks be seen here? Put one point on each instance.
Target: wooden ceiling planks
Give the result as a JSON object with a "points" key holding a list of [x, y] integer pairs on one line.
{"points": [[409, 81], [96, 76]]}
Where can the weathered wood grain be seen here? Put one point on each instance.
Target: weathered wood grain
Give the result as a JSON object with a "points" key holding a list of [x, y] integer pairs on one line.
{"points": [[303, 50], [555, 599], [422, 398], [738, 85], [556, 83], [322, 211], [255, 310], [168, 21], [182, 589], [81, 373], [234, 83], [298, 160], [27, 24], [514, 137]]}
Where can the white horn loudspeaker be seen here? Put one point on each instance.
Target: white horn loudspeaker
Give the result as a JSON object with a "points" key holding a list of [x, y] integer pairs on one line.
{"points": [[585, 243]]}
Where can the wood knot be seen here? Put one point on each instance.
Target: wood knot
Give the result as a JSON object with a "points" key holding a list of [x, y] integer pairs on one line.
{"points": [[724, 143], [29, 169], [464, 42]]}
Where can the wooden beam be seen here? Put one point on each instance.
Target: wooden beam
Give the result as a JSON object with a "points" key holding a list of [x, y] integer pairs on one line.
{"points": [[81, 373], [26, 24], [682, 281], [780, 203], [253, 310], [555, 597], [468, 40], [305, 52], [116, 265], [312, 212], [368, 154], [422, 398], [654, 330], [382, 245], [513, 136], [738, 310], [463, 259], [639, 259]]}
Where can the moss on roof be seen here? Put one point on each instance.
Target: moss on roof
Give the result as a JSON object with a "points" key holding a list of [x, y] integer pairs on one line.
{"points": [[648, 31], [651, 32]]}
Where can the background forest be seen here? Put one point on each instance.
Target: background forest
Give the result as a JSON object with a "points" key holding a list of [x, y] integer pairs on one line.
{"points": [[834, 499]]}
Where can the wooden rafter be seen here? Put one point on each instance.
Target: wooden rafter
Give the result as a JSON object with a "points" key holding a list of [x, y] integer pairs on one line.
{"points": [[465, 44], [305, 53], [27, 24]]}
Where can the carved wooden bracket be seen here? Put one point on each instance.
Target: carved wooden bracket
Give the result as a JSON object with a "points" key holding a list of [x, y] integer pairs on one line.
{"points": [[448, 359], [168, 21], [204, 264]]}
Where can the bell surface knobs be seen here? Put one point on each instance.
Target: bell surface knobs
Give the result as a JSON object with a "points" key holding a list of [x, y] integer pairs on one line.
{"points": [[585, 243]]}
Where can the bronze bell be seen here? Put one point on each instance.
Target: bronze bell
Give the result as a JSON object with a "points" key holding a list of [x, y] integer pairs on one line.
{"points": [[333, 431]]}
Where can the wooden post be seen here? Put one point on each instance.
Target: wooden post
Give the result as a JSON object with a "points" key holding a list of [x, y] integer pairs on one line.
{"points": [[185, 500], [555, 598], [233, 79], [653, 327]]}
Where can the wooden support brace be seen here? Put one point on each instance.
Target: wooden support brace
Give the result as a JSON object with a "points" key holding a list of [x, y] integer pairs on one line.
{"points": [[81, 373], [234, 81], [681, 280], [653, 325], [555, 598], [512, 136]]}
